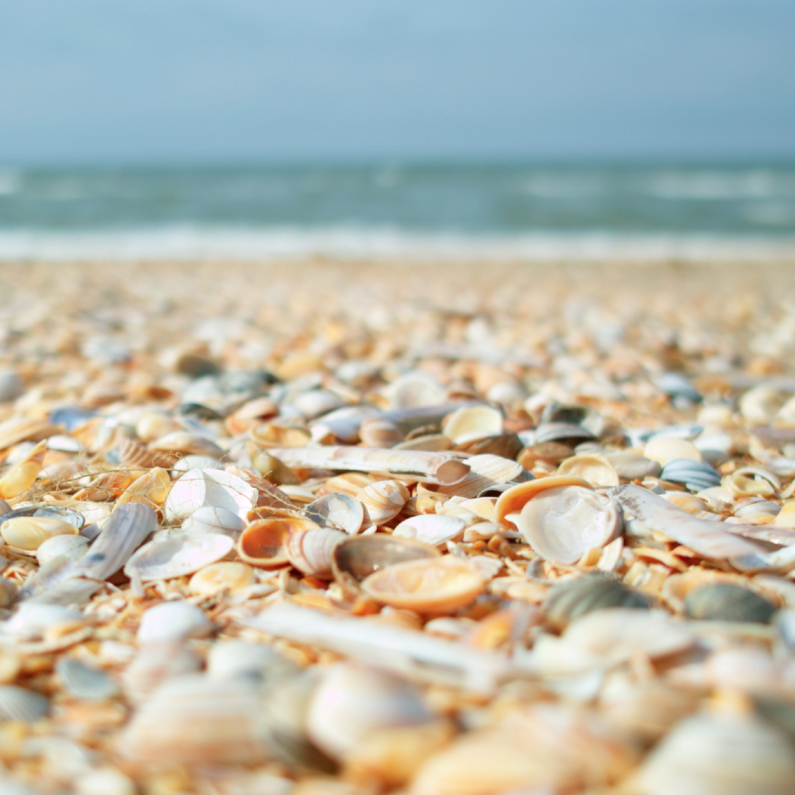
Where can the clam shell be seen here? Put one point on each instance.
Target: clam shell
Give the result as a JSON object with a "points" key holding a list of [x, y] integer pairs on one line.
{"points": [[352, 701], [84, 681], [383, 500], [514, 499], [19, 704], [696, 475], [751, 482], [310, 551], [760, 405], [378, 432], [562, 524], [569, 600], [171, 555], [272, 434], [726, 602], [472, 422], [262, 543], [212, 519], [663, 448], [557, 432], [69, 546], [432, 529], [232, 658], [31, 532], [594, 468], [198, 488], [337, 512], [171, 621], [32, 620], [195, 720], [219, 577], [435, 585], [357, 558]]}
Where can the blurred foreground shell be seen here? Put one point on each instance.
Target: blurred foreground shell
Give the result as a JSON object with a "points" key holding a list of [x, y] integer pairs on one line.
{"points": [[726, 602], [562, 524], [171, 621], [19, 704], [434, 585]]}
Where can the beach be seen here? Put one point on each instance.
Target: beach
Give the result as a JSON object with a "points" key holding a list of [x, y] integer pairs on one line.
{"points": [[216, 437]]}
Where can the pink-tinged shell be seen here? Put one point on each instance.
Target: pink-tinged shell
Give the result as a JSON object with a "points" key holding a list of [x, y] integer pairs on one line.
{"points": [[311, 551], [383, 500], [514, 499], [177, 554], [562, 524], [429, 585]]}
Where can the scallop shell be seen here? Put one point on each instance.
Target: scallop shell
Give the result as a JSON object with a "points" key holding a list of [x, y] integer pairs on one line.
{"points": [[720, 753], [436, 585], [378, 432], [352, 701], [727, 602], [337, 512], [135, 455], [310, 551], [69, 546], [30, 533], [195, 720], [472, 422], [19, 704], [696, 475], [262, 543], [562, 524], [211, 519], [171, 555], [357, 558], [198, 488], [569, 600], [219, 577], [514, 499], [383, 500], [432, 529], [594, 468], [170, 621]]}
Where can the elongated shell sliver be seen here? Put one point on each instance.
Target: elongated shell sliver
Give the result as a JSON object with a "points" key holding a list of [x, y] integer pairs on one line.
{"points": [[440, 467]]}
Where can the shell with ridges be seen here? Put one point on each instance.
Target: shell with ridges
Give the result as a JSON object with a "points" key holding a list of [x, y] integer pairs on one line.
{"points": [[19, 704], [69, 546], [262, 543], [594, 468], [337, 511], [310, 551], [383, 500], [198, 488]]}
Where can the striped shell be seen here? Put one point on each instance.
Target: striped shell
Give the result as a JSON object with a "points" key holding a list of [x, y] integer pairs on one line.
{"points": [[383, 500], [310, 551]]}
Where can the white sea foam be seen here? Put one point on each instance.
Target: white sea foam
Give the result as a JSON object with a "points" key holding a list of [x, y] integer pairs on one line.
{"points": [[195, 242]]}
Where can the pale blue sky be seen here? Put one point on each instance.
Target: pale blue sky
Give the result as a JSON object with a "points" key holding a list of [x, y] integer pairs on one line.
{"points": [[206, 80]]}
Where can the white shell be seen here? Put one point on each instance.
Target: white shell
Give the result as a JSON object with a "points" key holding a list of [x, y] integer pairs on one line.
{"points": [[32, 619], [170, 555], [195, 461], [562, 524], [71, 547], [231, 658], [352, 701], [432, 529], [212, 519], [486, 470], [173, 621], [337, 511], [198, 488], [472, 422], [310, 551]]}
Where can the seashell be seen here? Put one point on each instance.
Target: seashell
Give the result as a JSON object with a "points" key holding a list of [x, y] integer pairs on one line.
{"points": [[715, 447], [18, 430], [271, 468], [786, 516], [754, 506], [155, 662], [486, 471], [569, 600], [431, 529], [726, 602], [383, 500], [562, 524], [8, 592], [706, 538], [262, 543], [310, 551], [22, 475], [198, 488], [272, 434], [687, 502], [195, 720], [630, 466], [47, 512], [760, 405], [719, 753], [696, 475], [336, 511], [514, 499], [219, 577], [429, 442], [751, 482], [84, 681], [352, 701], [155, 425], [444, 468], [315, 402], [232, 658], [171, 621], [594, 468], [506, 445], [19, 704], [31, 532], [135, 455], [378, 432], [211, 519], [171, 555], [357, 558], [183, 443], [472, 422], [69, 546], [32, 620], [679, 388], [663, 448], [150, 489], [427, 586], [562, 432], [414, 390], [189, 462]]}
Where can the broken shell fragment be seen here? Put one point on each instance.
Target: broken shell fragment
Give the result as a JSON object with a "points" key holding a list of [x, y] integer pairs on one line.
{"points": [[30, 533], [150, 489], [562, 524], [310, 551], [432, 529], [514, 499], [726, 602], [383, 500], [336, 511], [171, 555], [22, 475], [435, 585], [472, 422]]}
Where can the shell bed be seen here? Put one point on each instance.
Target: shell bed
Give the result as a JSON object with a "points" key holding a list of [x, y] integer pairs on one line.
{"points": [[349, 529]]}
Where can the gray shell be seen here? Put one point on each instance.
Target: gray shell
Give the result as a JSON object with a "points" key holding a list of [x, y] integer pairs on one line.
{"points": [[694, 474], [726, 602]]}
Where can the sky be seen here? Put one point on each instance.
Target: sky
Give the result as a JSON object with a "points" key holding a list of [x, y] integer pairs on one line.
{"points": [[171, 81]]}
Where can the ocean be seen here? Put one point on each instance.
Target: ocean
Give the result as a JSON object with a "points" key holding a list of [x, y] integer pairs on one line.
{"points": [[516, 211]]}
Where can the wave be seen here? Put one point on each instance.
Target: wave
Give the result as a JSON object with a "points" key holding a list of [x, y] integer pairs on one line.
{"points": [[200, 242]]}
